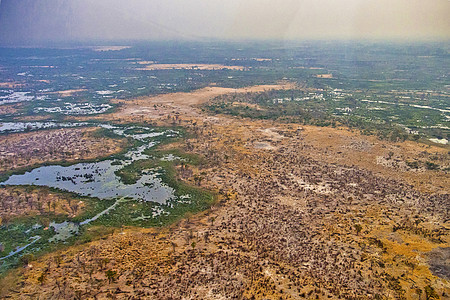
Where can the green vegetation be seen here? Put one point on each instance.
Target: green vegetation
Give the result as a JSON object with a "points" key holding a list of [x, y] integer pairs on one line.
{"points": [[19, 231], [34, 230], [394, 76], [390, 121], [137, 214]]}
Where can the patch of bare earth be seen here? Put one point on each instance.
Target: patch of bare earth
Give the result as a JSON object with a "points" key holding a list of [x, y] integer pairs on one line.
{"points": [[342, 146], [110, 48], [176, 108], [67, 93], [8, 109], [11, 85]]}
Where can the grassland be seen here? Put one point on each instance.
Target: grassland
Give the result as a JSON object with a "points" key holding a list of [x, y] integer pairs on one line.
{"points": [[297, 188]]}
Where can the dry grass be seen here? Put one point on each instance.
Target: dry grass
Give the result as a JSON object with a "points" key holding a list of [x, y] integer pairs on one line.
{"points": [[27, 149], [275, 233], [31, 201], [8, 109], [67, 93], [110, 48], [11, 85]]}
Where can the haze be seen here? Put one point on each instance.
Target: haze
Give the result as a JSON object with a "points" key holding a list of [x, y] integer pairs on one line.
{"points": [[34, 21]]}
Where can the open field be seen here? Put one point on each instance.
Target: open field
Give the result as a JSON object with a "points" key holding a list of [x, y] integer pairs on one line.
{"points": [[400, 161], [304, 212], [182, 106], [67, 93], [11, 85], [110, 48], [8, 109]]}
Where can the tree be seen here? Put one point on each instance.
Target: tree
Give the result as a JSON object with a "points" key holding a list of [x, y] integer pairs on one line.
{"points": [[111, 275], [26, 259], [430, 293], [358, 228], [174, 246], [206, 236], [41, 279], [198, 179]]}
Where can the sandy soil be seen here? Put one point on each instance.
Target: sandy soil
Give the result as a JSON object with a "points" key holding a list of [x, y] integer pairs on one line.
{"points": [[180, 103], [11, 85], [67, 93], [342, 146], [328, 76], [8, 109]]}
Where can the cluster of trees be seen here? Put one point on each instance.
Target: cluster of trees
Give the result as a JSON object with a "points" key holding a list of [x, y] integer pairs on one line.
{"points": [[310, 110]]}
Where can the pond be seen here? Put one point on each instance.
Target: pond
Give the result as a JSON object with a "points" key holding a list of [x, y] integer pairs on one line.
{"points": [[93, 179], [99, 179]]}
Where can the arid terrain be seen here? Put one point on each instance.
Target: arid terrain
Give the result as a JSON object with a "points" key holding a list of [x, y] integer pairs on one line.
{"points": [[176, 108], [302, 212], [20, 202], [67, 93], [10, 84], [7, 109], [27, 149]]}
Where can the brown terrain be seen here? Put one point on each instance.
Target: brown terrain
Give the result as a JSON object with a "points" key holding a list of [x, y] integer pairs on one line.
{"points": [[302, 213], [11, 84], [30, 201], [328, 76], [27, 149], [177, 107], [8, 109], [67, 93]]}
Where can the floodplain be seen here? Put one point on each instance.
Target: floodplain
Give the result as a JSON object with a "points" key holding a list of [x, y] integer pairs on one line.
{"points": [[273, 180]]}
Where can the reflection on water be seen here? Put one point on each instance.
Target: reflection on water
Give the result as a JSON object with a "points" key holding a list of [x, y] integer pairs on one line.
{"points": [[95, 180], [33, 239], [98, 179], [63, 230], [10, 127]]}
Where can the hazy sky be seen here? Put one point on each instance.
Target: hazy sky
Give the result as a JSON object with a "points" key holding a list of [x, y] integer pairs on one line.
{"points": [[34, 20]]}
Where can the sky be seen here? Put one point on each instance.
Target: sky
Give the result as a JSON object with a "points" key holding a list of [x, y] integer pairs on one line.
{"points": [[28, 21]]}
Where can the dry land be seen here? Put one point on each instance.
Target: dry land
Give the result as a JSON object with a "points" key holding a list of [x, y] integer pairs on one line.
{"points": [[8, 109], [302, 212], [67, 93], [33, 148], [110, 48], [31, 201], [11, 85]]}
